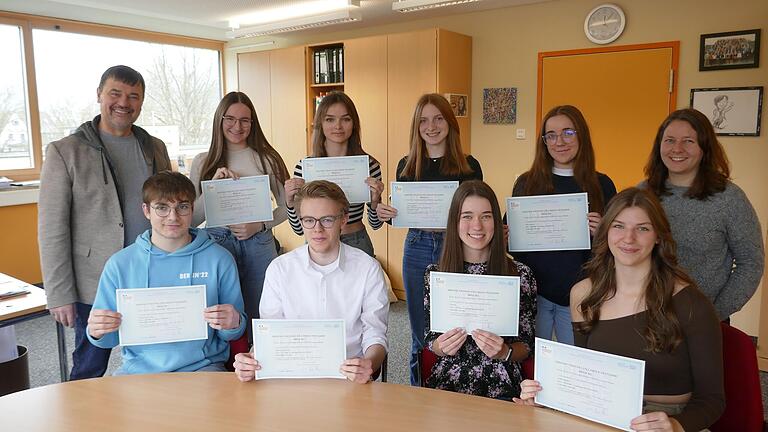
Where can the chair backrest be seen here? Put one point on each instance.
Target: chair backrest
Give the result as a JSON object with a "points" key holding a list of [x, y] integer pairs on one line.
{"points": [[743, 397], [427, 360], [237, 346], [528, 367]]}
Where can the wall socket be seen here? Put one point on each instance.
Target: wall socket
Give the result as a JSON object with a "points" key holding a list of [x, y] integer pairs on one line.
{"points": [[520, 134]]}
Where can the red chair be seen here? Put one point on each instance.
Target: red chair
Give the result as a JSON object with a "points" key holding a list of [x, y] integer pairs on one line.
{"points": [[427, 360], [528, 368], [237, 346], [743, 398]]}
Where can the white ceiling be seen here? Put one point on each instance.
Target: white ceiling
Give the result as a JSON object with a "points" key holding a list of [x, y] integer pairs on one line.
{"points": [[210, 19]]}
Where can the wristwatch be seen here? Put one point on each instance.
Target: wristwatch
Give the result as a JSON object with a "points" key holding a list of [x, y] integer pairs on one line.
{"points": [[509, 354]]}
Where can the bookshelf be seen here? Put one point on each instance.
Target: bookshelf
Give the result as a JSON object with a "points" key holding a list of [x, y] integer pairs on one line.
{"points": [[325, 73]]}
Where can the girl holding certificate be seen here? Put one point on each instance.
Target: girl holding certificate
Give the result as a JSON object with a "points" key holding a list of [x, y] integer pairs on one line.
{"points": [[564, 162], [637, 302], [240, 149], [336, 132], [688, 170], [435, 155], [485, 364]]}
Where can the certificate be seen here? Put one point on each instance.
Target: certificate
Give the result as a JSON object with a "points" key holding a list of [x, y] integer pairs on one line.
{"points": [[349, 172], [161, 315], [299, 348], [422, 204], [229, 201], [597, 386], [485, 302], [548, 222]]}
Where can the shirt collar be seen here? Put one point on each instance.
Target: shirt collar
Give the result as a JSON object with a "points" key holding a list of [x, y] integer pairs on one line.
{"points": [[338, 264]]}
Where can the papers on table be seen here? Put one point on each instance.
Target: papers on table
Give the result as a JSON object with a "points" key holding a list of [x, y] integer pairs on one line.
{"points": [[299, 348], [160, 315], [422, 204], [597, 386], [490, 303], [12, 287], [548, 222], [349, 172], [230, 202]]}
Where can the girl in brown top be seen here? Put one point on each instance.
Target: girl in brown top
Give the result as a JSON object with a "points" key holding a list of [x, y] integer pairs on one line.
{"points": [[638, 303]]}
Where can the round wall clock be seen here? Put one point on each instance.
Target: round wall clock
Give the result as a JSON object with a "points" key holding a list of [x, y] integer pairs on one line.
{"points": [[604, 24]]}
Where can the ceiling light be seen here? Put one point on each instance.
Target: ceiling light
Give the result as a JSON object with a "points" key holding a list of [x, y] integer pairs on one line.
{"points": [[295, 10], [419, 5], [296, 24]]}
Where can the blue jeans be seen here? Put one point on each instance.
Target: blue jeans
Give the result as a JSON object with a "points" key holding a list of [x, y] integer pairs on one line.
{"points": [[88, 360], [252, 257], [421, 249], [553, 317]]}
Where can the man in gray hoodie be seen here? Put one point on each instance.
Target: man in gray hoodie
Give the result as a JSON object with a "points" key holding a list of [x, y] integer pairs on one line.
{"points": [[90, 205]]}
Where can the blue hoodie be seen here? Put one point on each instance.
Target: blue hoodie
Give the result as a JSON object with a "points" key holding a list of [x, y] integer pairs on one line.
{"points": [[142, 265]]}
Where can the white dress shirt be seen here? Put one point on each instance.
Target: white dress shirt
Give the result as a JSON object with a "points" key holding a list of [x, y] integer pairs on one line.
{"points": [[351, 288]]}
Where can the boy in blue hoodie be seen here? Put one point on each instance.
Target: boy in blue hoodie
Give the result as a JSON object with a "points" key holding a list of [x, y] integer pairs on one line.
{"points": [[171, 254]]}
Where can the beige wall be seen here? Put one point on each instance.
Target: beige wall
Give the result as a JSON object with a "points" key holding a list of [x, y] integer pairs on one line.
{"points": [[505, 47]]}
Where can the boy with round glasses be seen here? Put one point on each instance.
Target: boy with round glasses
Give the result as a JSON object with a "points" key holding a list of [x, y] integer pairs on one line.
{"points": [[171, 254], [327, 279]]}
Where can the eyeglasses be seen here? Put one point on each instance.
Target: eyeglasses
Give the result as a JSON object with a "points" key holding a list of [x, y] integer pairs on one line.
{"points": [[567, 135], [164, 210], [309, 222], [230, 121]]}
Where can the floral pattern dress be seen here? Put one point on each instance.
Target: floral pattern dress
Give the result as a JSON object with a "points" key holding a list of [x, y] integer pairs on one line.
{"points": [[472, 372]]}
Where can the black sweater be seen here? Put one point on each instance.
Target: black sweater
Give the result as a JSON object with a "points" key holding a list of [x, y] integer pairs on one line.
{"points": [[557, 271]]}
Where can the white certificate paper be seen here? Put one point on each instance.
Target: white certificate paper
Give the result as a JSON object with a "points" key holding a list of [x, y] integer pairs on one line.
{"points": [[299, 348], [161, 315], [349, 172], [422, 204], [597, 386], [230, 202], [548, 222], [485, 302]]}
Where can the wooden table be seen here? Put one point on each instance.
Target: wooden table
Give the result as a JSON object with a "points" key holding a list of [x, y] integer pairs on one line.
{"points": [[217, 401], [30, 306]]}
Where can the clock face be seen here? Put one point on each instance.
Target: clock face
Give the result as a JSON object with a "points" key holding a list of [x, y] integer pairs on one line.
{"points": [[604, 24]]}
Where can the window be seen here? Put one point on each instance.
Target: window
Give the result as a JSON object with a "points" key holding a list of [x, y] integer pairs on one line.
{"points": [[182, 75], [15, 145]]}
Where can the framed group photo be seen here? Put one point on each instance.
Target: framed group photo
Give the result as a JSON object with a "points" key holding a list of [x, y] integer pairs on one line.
{"points": [[733, 111], [730, 50]]}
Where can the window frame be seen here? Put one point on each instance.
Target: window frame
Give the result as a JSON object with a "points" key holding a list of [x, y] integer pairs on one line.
{"points": [[27, 23]]}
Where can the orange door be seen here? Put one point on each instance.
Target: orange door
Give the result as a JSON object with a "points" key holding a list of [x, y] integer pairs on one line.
{"points": [[624, 93]]}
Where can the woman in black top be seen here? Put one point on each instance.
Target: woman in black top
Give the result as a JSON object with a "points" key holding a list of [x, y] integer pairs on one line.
{"points": [[564, 163], [435, 155]]}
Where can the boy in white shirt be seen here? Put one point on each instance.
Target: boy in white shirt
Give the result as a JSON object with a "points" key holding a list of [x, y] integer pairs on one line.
{"points": [[326, 279]]}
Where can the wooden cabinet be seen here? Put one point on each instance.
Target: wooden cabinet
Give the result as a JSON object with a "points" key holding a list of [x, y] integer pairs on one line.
{"points": [[385, 76], [275, 82]]}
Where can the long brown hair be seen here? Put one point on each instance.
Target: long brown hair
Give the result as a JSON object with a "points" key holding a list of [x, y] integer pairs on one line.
{"points": [[354, 145], [538, 179], [217, 155], [663, 331], [452, 255], [454, 162], [713, 173]]}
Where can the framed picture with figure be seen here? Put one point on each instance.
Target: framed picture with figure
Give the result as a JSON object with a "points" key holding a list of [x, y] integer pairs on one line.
{"points": [[733, 111]]}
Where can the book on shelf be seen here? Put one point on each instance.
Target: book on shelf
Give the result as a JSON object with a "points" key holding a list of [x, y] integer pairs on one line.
{"points": [[328, 65]]}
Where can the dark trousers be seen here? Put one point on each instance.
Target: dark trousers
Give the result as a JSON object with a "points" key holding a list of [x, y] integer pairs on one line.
{"points": [[88, 361]]}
